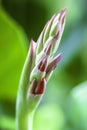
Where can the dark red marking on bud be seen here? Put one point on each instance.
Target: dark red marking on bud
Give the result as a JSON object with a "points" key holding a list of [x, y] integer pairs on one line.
{"points": [[43, 64], [40, 87], [54, 63]]}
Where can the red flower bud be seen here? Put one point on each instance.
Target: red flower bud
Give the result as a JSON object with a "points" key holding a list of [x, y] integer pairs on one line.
{"points": [[40, 87], [43, 64], [53, 63]]}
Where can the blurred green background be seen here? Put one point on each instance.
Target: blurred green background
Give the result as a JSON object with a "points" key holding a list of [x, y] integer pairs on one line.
{"points": [[64, 105]]}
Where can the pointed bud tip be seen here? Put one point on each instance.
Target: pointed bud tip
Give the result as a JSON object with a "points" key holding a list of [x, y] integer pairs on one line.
{"points": [[32, 45], [54, 63], [60, 55], [63, 11], [57, 59], [31, 52], [62, 15]]}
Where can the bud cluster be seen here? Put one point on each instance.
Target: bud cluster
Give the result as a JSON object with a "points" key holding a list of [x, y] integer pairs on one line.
{"points": [[42, 53]]}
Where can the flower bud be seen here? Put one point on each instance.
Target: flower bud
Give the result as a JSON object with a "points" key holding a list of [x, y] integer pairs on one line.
{"points": [[40, 87], [40, 64], [43, 64], [52, 65]]}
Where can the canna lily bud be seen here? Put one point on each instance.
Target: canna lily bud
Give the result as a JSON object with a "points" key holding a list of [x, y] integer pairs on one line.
{"points": [[43, 64], [40, 87], [52, 65], [47, 45], [37, 87], [40, 64]]}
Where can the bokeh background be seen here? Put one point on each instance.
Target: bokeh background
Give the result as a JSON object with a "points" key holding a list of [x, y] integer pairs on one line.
{"points": [[64, 105]]}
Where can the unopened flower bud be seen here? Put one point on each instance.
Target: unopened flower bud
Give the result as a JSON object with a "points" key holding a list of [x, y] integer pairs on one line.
{"points": [[43, 64], [40, 64], [52, 65], [40, 87]]}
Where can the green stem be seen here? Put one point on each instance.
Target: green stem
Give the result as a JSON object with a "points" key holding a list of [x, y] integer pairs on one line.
{"points": [[24, 115], [24, 119], [30, 120]]}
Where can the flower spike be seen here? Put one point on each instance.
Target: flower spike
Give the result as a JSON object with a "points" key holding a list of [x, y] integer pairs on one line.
{"points": [[38, 68]]}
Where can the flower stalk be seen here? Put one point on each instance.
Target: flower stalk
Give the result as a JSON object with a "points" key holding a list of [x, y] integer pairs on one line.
{"points": [[38, 68]]}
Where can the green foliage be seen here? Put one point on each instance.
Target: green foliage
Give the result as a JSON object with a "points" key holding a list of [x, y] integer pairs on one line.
{"points": [[77, 110], [12, 54], [52, 119], [7, 123]]}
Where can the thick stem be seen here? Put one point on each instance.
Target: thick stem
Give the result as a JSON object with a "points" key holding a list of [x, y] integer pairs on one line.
{"points": [[24, 116], [30, 120], [25, 122], [24, 119]]}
